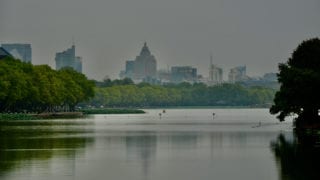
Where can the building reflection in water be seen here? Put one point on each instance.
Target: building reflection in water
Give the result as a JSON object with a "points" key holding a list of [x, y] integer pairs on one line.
{"points": [[142, 146], [147, 148], [297, 158]]}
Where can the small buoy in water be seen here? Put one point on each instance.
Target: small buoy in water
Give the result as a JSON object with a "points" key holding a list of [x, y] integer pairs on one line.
{"points": [[164, 111]]}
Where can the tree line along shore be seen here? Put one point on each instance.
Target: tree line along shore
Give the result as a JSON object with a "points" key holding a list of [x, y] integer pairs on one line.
{"points": [[77, 114], [124, 93], [28, 89]]}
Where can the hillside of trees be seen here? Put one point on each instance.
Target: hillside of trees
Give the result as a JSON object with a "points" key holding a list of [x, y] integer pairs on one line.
{"points": [[28, 88], [123, 93]]}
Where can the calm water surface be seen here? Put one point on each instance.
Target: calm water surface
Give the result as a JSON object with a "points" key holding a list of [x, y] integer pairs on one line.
{"points": [[185, 144]]}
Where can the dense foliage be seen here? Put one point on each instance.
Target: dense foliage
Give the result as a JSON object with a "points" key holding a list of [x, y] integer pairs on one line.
{"points": [[28, 88], [184, 94], [108, 82], [300, 79], [16, 116]]}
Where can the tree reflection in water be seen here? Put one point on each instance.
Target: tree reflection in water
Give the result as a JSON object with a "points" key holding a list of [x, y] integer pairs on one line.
{"points": [[22, 141], [297, 158]]}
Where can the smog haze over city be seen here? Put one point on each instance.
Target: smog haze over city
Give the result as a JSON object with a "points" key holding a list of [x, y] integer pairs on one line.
{"points": [[256, 33]]}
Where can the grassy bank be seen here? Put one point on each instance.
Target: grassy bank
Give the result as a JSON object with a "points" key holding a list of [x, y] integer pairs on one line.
{"points": [[59, 115], [23, 116], [17, 116], [112, 111]]}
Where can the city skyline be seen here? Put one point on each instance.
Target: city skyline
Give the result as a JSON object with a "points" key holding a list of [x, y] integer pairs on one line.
{"points": [[67, 58], [256, 33], [78, 68]]}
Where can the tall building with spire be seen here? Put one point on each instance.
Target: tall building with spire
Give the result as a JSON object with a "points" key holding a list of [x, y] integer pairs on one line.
{"points": [[68, 58], [215, 73], [143, 67]]}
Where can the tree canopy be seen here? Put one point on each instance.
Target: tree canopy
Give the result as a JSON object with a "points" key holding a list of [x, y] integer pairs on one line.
{"points": [[108, 82], [183, 94], [300, 79], [28, 88]]}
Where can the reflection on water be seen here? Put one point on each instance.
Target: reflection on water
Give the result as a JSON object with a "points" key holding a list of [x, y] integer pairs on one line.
{"points": [[142, 147], [189, 155], [24, 141], [297, 158], [184, 145]]}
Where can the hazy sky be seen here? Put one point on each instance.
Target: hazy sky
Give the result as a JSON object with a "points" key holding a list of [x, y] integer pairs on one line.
{"points": [[256, 33]]}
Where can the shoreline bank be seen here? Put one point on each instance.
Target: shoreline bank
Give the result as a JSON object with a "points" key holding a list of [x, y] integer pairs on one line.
{"points": [[61, 115]]}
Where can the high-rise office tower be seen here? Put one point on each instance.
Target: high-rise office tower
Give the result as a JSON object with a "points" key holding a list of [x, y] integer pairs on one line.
{"points": [[68, 58], [19, 51]]}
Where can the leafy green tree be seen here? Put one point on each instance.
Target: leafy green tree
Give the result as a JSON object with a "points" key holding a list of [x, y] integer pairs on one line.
{"points": [[300, 79], [78, 87], [28, 88], [14, 82], [50, 87]]}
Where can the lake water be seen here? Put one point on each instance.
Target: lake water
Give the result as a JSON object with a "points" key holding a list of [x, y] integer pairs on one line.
{"points": [[184, 144]]}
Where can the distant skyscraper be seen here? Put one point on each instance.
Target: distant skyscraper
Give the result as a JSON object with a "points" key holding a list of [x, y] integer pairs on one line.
{"points": [[164, 75], [183, 74], [19, 51], [143, 67], [129, 72], [68, 58], [215, 74], [78, 64], [238, 74]]}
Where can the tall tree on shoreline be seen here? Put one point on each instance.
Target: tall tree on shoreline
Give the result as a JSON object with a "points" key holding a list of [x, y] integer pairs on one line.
{"points": [[300, 80], [28, 88]]}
